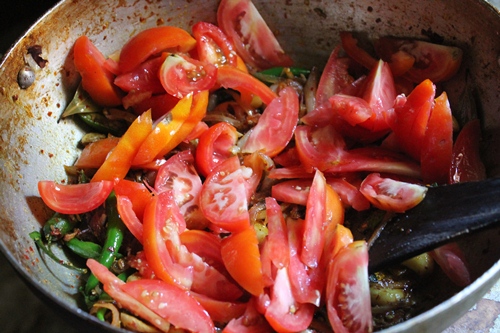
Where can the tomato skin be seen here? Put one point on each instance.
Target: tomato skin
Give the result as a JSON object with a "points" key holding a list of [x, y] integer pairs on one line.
{"points": [[97, 81], [220, 311], [409, 123], [250, 322], [223, 196], [138, 194], [143, 78], [250, 35], [277, 239], [158, 104], [232, 78], [181, 75], [74, 199], [392, 195], [466, 162], [241, 256], [187, 312], [214, 146], [129, 217], [452, 261], [437, 147], [348, 291], [213, 46], [280, 115], [431, 61], [153, 41]]}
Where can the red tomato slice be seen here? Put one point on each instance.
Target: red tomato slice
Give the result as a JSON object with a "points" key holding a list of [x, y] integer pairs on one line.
{"points": [[129, 217], [250, 322], [162, 214], [281, 115], [220, 312], [215, 146], [112, 286], [74, 199], [153, 41], [279, 313], [437, 147], [181, 75], [232, 78], [348, 291], [172, 303], [409, 122], [250, 35], [350, 46], [392, 195], [212, 45], [466, 162], [97, 81], [223, 196], [143, 78], [179, 175], [241, 256], [205, 244], [337, 237], [313, 238], [95, 153], [432, 61], [138, 194], [354, 110], [452, 261], [158, 104], [277, 239]]}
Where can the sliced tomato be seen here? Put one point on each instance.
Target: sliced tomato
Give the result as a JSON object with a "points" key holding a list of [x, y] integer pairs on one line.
{"points": [[96, 79], [334, 79], [181, 75], [241, 256], [350, 46], [452, 261], [281, 115], [74, 199], [224, 196], [390, 194], [179, 175], [277, 239], [313, 238], [143, 78], [348, 291], [159, 296], [158, 104], [232, 78], [138, 194], [250, 322], [431, 61], [129, 217], [221, 312], [153, 41], [94, 154], [250, 35], [409, 122], [113, 285], [293, 191], [466, 162], [437, 147], [162, 210], [214, 146], [213, 46], [284, 314], [119, 161], [349, 194], [205, 244], [337, 237]]}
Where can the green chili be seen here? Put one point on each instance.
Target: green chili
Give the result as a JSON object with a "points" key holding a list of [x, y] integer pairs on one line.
{"points": [[114, 238], [57, 226], [37, 237], [84, 249], [99, 123], [280, 71]]}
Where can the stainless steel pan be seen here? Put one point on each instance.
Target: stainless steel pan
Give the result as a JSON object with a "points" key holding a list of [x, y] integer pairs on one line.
{"points": [[35, 144]]}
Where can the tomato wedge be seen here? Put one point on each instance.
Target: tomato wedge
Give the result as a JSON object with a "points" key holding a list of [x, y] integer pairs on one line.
{"points": [[143, 78], [153, 41], [214, 146], [213, 46], [74, 199], [392, 195], [181, 75], [241, 256], [97, 81], [250, 35], [281, 115], [224, 196], [160, 297], [452, 261], [347, 290]]}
